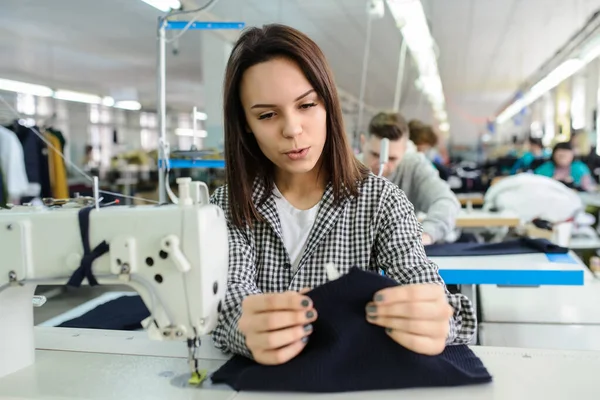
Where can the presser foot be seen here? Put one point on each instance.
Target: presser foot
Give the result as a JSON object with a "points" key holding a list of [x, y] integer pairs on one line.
{"points": [[198, 376]]}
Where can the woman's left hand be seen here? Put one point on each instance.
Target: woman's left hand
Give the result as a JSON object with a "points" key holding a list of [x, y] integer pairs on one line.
{"points": [[415, 316]]}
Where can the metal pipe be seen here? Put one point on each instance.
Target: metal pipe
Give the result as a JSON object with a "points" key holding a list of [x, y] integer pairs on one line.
{"points": [[400, 76], [162, 112], [363, 79], [195, 143]]}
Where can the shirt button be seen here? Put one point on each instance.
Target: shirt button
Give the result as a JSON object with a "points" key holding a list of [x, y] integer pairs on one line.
{"points": [[287, 266]]}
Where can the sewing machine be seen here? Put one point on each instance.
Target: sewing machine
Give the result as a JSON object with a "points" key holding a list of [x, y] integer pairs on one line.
{"points": [[174, 256]]}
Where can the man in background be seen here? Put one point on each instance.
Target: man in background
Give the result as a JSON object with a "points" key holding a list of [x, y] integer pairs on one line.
{"points": [[413, 173]]}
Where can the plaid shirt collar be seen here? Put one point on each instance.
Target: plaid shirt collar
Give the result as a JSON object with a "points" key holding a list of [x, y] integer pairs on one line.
{"points": [[327, 216]]}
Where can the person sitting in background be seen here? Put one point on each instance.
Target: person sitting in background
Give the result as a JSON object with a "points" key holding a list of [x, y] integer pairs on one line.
{"points": [[425, 140], [564, 168], [536, 151], [413, 173]]}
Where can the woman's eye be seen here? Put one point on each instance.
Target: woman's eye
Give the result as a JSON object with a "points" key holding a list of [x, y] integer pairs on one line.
{"points": [[266, 116], [308, 105]]}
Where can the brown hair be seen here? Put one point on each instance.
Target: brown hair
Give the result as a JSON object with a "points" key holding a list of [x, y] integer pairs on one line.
{"points": [[388, 125], [244, 161], [421, 133]]}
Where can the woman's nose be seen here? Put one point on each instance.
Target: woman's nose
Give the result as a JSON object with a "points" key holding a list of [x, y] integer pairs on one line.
{"points": [[292, 127]]}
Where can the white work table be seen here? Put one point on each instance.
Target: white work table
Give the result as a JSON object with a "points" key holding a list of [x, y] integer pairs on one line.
{"points": [[540, 336], [543, 305], [127, 365], [512, 269]]}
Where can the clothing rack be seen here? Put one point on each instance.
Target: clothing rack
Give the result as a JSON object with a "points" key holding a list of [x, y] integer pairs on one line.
{"points": [[31, 159]]}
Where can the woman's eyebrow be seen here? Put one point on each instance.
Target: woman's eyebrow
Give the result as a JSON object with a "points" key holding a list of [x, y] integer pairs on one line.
{"points": [[273, 105]]}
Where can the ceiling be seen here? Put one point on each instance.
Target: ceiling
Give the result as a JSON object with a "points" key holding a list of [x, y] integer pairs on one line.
{"points": [[486, 48]]}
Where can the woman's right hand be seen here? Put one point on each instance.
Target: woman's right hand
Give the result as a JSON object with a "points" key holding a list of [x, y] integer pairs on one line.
{"points": [[276, 325]]}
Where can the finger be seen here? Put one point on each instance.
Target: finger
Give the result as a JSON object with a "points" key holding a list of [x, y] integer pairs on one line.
{"points": [[276, 301], [398, 294], [305, 290], [418, 344], [278, 339], [280, 356], [271, 321], [414, 310], [430, 329]]}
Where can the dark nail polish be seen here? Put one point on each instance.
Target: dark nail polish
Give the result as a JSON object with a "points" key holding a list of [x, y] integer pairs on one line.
{"points": [[305, 303], [310, 314], [304, 339], [308, 328], [371, 317], [388, 330], [378, 297], [371, 309]]}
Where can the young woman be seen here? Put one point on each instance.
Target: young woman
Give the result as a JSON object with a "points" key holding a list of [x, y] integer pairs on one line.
{"points": [[296, 198], [563, 167]]}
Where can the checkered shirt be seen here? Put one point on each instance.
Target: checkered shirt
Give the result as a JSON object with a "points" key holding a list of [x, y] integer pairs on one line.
{"points": [[376, 230]]}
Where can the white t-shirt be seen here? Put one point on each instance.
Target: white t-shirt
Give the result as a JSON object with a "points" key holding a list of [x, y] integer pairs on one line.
{"points": [[295, 226], [12, 163]]}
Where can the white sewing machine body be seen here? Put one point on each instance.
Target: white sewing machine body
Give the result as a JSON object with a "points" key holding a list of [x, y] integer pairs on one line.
{"points": [[174, 256]]}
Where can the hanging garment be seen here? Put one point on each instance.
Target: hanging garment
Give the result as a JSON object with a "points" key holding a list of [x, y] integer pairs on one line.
{"points": [[56, 165], [36, 158], [347, 353], [12, 162], [60, 138], [519, 246]]}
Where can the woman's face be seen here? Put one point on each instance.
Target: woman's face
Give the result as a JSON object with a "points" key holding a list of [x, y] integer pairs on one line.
{"points": [[285, 115], [563, 157]]}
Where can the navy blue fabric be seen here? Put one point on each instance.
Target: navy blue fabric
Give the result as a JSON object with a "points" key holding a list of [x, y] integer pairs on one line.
{"points": [[346, 353], [89, 256], [124, 314], [519, 246]]}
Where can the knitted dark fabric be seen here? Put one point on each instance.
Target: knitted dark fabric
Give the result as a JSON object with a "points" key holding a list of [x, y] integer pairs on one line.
{"points": [[519, 246], [124, 314], [346, 353]]}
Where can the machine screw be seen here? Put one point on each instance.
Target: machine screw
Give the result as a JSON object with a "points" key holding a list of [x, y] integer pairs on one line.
{"points": [[9, 227], [125, 268], [12, 276]]}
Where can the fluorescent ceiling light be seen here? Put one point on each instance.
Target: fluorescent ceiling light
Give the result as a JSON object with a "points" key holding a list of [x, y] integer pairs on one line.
{"points": [[200, 116], [164, 5], [128, 105], [442, 115], [553, 79], [589, 53], [444, 127], [82, 97], [26, 88], [190, 132], [410, 19]]}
